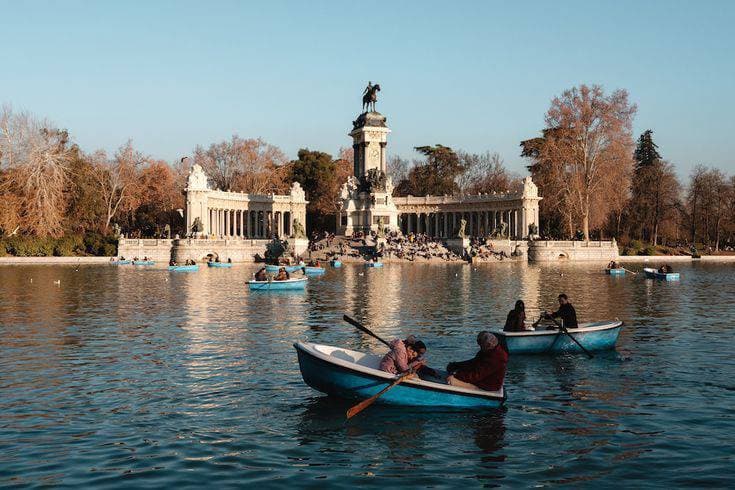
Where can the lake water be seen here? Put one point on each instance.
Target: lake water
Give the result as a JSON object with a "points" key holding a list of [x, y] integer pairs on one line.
{"points": [[135, 377]]}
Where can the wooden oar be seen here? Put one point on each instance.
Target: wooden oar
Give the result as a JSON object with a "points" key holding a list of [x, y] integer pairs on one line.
{"points": [[628, 270], [366, 403], [564, 329], [362, 327]]}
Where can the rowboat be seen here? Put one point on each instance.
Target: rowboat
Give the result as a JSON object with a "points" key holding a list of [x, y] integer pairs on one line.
{"points": [[287, 285], [615, 272], [272, 268], [351, 374], [121, 262], [143, 262], [654, 274], [373, 264], [336, 263], [314, 271], [183, 268], [593, 336], [224, 265]]}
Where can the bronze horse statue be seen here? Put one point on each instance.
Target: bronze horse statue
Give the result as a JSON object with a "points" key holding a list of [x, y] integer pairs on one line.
{"points": [[370, 97]]}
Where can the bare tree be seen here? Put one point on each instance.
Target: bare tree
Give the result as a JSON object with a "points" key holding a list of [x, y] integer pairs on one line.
{"points": [[397, 168], [116, 178], [485, 172], [592, 143], [36, 159], [246, 165]]}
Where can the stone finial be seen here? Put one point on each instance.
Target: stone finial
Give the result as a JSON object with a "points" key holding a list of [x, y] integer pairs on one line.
{"points": [[529, 188], [197, 180], [297, 192]]}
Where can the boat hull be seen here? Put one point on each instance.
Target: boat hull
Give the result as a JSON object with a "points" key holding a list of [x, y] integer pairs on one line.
{"points": [[374, 264], [289, 268], [336, 264], [314, 271], [143, 262], [290, 285], [183, 268], [220, 265], [344, 382], [654, 274], [615, 272], [121, 262], [593, 336]]}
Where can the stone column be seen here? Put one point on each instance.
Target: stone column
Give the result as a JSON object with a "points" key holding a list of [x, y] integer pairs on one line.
{"points": [[280, 225]]}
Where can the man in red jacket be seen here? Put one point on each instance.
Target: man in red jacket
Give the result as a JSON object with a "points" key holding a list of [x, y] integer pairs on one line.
{"points": [[486, 371]]}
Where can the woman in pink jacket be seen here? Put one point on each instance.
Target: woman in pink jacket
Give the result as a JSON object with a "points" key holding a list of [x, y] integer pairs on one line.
{"points": [[403, 355]]}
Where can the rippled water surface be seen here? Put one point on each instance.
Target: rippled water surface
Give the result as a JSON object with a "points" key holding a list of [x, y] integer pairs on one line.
{"points": [[130, 377]]}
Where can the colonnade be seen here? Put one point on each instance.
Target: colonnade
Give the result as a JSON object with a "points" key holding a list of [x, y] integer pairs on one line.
{"points": [[249, 224], [478, 223]]}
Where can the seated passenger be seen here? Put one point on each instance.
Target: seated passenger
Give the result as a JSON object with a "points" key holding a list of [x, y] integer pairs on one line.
{"points": [[566, 312], [485, 371], [402, 356], [282, 275], [516, 319], [172, 262], [261, 275], [666, 269]]}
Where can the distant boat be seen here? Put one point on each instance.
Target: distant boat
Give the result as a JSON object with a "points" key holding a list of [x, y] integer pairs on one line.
{"points": [[351, 374], [373, 264], [272, 268], [143, 262], [121, 262], [336, 263], [183, 268], [287, 285], [615, 272], [593, 336], [655, 274], [224, 265]]}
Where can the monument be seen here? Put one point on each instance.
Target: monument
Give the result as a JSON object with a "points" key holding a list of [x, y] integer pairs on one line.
{"points": [[367, 196]]}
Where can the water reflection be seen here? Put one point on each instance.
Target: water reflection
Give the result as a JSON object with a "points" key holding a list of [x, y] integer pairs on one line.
{"points": [[151, 373]]}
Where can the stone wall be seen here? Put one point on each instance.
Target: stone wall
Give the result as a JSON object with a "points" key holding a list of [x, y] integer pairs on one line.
{"points": [[181, 249], [544, 251]]}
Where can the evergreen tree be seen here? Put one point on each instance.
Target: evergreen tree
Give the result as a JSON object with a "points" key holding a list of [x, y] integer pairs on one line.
{"points": [[646, 151]]}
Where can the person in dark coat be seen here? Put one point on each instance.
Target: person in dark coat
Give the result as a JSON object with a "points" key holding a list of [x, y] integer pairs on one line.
{"points": [[566, 312], [516, 320], [485, 371]]}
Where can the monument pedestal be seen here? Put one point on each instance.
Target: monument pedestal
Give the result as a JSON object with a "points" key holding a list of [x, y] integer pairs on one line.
{"points": [[367, 200]]}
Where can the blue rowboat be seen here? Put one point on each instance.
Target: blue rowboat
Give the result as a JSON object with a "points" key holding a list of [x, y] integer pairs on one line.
{"points": [[289, 268], [336, 264], [183, 268], [593, 336], [143, 262], [287, 285], [654, 274], [224, 265], [355, 375], [121, 262], [373, 264], [314, 271], [615, 272]]}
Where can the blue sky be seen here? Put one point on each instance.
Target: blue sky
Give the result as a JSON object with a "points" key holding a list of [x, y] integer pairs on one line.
{"points": [[472, 75]]}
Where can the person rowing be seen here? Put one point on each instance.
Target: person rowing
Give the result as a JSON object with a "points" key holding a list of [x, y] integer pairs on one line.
{"points": [[282, 275], [613, 265], [406, 355], [666, 269], [566, 313], [485, 371]]}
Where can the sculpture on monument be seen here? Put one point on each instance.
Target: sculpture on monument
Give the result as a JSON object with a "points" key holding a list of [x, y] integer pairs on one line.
{"points": [[370, 96], [381, 227], [298, 229], [197, 227], [374, 181], [462, 224]]}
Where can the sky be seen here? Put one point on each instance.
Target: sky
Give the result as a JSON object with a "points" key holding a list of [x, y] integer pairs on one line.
{"points": [[476, 76]]}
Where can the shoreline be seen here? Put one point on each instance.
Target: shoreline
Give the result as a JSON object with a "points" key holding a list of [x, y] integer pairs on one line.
{"points": [[675, 258]]}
